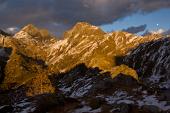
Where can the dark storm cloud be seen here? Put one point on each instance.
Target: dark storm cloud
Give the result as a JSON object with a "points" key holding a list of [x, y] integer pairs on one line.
{"points": [[54, 13], [136, 29], [2, 1]]}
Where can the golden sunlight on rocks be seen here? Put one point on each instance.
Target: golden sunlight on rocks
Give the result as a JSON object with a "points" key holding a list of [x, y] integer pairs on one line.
{"points": [[36, 51], [123, 69], [39, 85]]}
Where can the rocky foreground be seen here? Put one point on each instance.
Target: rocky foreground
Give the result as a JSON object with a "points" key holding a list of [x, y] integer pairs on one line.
{"points": [[89, 71]]}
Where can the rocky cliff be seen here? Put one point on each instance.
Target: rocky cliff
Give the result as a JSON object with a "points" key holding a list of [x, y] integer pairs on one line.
{"points": [[84, 43], [87, 71]]}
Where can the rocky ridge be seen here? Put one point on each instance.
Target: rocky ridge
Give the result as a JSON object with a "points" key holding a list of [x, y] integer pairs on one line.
{"points": [[88, 44], [84, 43], [87, 71]]}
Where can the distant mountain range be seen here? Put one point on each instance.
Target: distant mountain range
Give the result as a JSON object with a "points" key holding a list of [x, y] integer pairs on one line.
{"points": [[33, 58], [84, 43]]}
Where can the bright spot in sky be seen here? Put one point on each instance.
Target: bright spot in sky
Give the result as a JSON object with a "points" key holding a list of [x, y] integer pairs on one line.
{"points": [[157, 24]]}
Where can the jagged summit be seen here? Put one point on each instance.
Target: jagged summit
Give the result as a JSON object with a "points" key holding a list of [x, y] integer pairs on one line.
{"points": [[83, 28], [85, 25], [30, 31]]}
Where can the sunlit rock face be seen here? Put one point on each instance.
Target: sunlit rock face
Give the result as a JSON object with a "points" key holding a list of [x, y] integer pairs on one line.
{"points": [[84, 43], [81, 72], [88, 44], [34, 42], [27, 60]]}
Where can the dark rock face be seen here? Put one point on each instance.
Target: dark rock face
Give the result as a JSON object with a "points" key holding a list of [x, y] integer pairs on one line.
{"points": [[100, 93], [4, 57], [4, 33], [152, 63], [85, 90], [81, 81], [4, 98]]}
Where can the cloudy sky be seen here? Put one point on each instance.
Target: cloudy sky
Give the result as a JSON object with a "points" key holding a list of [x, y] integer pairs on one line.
{"points": [[136, 16]]}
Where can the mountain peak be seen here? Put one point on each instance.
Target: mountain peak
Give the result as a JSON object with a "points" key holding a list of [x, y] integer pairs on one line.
{"points": [[83, 28], [82, 24], [86, 26], [34, 32], [31, 30]]}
